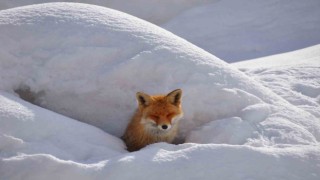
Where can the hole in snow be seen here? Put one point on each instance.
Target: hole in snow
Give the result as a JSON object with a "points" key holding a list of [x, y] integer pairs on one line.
{"points": [[26, 94]]}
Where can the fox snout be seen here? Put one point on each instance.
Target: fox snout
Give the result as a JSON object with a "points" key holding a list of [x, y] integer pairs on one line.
{"points": [[154, 125], [164, 126]]}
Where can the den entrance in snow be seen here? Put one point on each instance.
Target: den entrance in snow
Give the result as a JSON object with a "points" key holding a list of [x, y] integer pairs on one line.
{"points": [[28, 95]]}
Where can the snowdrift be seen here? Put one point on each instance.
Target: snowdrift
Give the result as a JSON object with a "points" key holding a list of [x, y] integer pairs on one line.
{"points": [[87, 62], [240, 30], [295, 76], [155, 11], [232, 30], [26, 128]]}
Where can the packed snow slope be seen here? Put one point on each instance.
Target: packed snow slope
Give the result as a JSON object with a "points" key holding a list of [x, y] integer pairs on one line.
{"points": [[295, 76], [155, 11], [87, 62], [238, 30], [232, 30]]}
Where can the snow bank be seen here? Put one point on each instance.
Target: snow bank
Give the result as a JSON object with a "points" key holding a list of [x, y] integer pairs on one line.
{"points": [[155, 11], [302, 57], [232, 30], [188, 161], [295, 76], [239, 30], [29, 129], [87, 62]]}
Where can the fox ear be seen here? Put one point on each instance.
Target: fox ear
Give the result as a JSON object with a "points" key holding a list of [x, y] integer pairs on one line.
{"points": [[174, 97], [143, 99]]}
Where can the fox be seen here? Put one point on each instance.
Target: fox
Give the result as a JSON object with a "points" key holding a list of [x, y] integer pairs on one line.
{"points": [[156, 120]]}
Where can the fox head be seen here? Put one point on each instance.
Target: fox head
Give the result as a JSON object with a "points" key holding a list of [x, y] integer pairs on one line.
{"points": [[160, 113]]}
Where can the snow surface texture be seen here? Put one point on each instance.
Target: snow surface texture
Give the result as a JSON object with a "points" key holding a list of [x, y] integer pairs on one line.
{"points": [[155, 11], [230, 29], [87, 62], [295, 76], [238, 30], [26, 128]]}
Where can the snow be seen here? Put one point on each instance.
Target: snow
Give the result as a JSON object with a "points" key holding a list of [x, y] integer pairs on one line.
{"points": [[295, 76], [234, 130], [188, 161], [155, 11], [241, 30], [306, 56], [80, 65], [232, 30], [26, 128]]}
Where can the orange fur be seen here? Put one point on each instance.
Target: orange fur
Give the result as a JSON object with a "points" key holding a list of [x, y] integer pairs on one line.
{"points": [[156, 120]]}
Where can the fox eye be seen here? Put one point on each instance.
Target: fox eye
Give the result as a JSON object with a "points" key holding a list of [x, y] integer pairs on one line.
{"points": [[154, 117]]}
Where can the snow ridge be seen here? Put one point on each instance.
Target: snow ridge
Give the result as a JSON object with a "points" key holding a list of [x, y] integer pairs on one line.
{"points": [[85, 63]]}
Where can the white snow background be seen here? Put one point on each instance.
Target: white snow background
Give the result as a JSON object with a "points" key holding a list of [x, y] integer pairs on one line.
{"points": [[86, 63], [155, 11], [230, 29], [239, 30]]}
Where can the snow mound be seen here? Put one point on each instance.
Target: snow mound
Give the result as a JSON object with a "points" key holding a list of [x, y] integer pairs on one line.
{"points": [[239, 30], [29, 129], [295, 76], [87, 62], [232, 30], [155, 11], [188, 161], [234, 130]]}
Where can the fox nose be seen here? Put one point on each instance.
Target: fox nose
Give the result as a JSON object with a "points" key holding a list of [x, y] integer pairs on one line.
{"points": [[164, 127]]}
